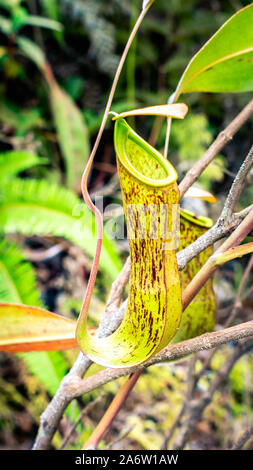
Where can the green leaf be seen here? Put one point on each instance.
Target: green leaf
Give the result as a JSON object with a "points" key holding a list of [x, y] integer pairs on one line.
{"points": [[33, 207], [17, 277], [18, 18], [5, 25], [178, 111], [32, 51], [15, 161], [10, 5], [72, 133], [51, 9], [42, 22], [225, 62]]}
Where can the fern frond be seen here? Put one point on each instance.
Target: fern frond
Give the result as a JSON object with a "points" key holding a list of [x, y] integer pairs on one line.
{"points": [[49, 368], [33, 207], [15, 161], [17, 277]]}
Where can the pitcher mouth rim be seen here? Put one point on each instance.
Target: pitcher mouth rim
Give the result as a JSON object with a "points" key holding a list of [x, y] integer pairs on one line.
{"points": [[121, 133]]}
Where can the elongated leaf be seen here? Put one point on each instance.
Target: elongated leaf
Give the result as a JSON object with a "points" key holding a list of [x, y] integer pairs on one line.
{"points": [[178, 110], [5, 25], [34, 207], [42, 22], [69, 121], [225, 62], [9, 4], [148, 183], [52, 10], [200, 194], [25, 328], [32, 51], [15, 161], [72, 133], [236, 252]]}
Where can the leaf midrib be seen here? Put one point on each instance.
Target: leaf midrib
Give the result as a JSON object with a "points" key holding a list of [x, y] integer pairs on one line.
{"points": [[213, 64]]}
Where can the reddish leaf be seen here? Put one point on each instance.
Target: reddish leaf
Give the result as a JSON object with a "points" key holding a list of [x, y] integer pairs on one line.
{"points": [[24, 328]]}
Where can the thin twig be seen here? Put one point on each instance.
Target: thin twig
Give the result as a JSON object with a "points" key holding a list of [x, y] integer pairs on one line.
{"points": [[83, 413]]}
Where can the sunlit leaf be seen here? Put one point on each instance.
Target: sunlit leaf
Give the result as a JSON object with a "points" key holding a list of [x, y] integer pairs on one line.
{"points": [[72, 133], [32, 51], [198, 193], [225, 62], [236, 252], [5, 25], [18, 285], [24, 328], [15, 161], [33, 207], [178, 110], [42, 22], [146, 3]]}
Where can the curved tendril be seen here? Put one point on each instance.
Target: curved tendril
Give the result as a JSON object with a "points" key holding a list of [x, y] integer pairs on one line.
{"points": [[86, 196]]}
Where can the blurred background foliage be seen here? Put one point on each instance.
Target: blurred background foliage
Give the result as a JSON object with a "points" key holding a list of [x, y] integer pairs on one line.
{"points": [[82, 41]]}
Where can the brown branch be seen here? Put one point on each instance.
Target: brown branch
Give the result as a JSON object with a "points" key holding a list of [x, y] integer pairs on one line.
{"points": [[77, 386], [225, 136]]}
